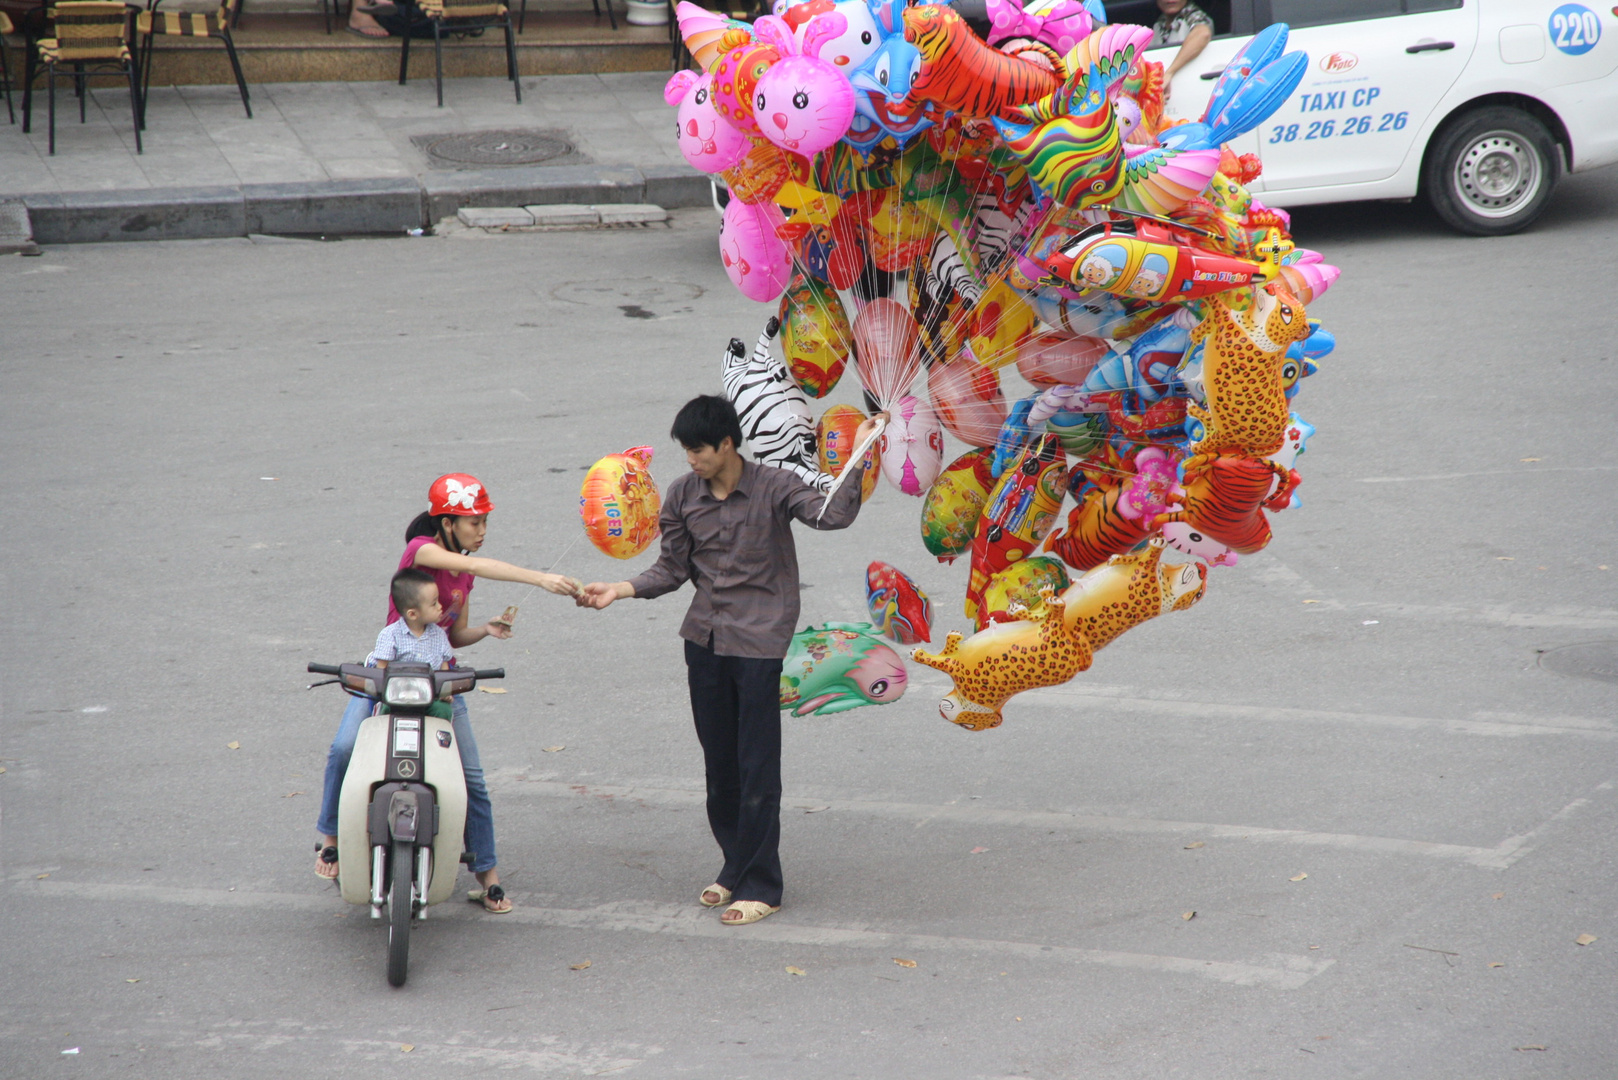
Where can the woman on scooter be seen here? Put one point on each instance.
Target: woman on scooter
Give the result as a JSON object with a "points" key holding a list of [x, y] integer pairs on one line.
{"points": [[442, 542]]}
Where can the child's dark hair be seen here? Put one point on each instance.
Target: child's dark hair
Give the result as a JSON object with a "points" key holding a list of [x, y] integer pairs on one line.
{"points": [[707, 421], [407, 586]]}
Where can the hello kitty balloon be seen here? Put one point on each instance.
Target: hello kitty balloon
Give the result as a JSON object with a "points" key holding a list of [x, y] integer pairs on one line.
{"points": [[756, 260], [911, 449], [707, 142], [802, 103], [848, 49]]}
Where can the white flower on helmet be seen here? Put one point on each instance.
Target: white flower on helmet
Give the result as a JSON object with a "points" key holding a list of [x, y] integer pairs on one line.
{"points": [[464, 497]]}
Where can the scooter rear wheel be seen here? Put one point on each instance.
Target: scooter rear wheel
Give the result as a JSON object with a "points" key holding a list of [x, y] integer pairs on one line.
{"points": [[401, 877]]}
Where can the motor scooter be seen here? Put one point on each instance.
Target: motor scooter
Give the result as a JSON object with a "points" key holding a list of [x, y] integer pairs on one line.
{"points": [[402, 810]]}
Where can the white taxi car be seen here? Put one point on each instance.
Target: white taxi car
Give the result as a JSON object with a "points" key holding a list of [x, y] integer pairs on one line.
{"points": [[1476, 105]]}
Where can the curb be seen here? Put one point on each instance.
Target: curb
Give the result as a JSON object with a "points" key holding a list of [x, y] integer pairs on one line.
{"points": [[345, 207]]}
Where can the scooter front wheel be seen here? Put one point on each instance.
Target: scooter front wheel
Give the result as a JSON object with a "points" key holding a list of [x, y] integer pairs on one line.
{"points": [[400, 880]]}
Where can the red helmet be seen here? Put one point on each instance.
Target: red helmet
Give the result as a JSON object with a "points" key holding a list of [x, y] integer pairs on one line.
{"points": [[460, 494]]}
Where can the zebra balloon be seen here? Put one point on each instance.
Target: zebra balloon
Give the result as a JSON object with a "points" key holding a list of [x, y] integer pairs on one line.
{"points": [[777, 423]]}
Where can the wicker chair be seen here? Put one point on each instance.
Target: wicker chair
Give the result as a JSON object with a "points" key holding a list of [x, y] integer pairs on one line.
{"points": [[461, 16], [89, 32], [5, 70], [202, 24]]}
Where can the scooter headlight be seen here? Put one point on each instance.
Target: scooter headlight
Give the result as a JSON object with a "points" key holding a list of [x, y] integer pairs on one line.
{"points": [[409, 690]]}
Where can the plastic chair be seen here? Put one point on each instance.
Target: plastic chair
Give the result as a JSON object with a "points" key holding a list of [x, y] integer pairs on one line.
{"points": [[88, 32], [458, 17], [208, 24]]}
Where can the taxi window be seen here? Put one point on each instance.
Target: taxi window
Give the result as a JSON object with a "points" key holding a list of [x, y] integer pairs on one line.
{"points": [[1300, 13], [1145, 13]]}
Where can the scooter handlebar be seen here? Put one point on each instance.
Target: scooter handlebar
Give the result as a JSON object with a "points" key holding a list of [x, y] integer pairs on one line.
{"points": [[325, 669], [490, 673]]}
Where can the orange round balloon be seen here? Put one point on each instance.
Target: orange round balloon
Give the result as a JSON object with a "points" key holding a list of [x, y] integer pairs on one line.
{"points": [[619, 503], [836, 431]]}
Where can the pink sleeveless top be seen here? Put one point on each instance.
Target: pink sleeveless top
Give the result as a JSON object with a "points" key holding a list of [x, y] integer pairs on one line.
{"points": [[453, 589]]}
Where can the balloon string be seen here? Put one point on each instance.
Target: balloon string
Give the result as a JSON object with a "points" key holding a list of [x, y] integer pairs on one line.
{"points": [[524, 597]]}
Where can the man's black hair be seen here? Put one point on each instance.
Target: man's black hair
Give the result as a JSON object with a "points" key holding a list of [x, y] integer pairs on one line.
{"points": [[707, 421], [407, 587]]}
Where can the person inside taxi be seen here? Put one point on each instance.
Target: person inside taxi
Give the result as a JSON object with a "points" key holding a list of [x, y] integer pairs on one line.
{"points": [[1184, 24]]}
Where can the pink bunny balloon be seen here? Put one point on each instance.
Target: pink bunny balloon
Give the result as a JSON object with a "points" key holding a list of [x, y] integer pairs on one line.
{"points": [[708, 142], [911, 448], [803, 103], [755, 258]]}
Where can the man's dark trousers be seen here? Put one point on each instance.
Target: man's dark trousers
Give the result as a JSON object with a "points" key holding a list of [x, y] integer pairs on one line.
{"points": [[736, 703]]}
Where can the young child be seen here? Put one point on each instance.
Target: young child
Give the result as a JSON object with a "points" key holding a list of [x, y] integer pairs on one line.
{"points": [[415, 636]]}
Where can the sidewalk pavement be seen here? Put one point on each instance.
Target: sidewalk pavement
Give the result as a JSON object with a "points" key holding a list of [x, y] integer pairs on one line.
{"points": [[333, 158]]}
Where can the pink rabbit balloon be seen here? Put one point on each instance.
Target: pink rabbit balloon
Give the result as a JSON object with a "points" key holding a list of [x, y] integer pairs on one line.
{"points": [[803, 103], [756, 260], [911, 448], [707, 141]]}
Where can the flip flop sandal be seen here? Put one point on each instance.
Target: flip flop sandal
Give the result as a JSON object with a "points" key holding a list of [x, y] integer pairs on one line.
{"points": [[492, 895], [328, 856], [383, 35], [751, 911], [724, 896]]}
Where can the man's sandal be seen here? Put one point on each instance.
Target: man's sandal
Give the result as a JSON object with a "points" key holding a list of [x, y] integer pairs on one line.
{"points": [[492, 895], [326, 856], [751, 912], [719, 891]]}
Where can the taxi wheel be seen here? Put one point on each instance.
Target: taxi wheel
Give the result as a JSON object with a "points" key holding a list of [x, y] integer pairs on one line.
{"points": [[1491, 170]]}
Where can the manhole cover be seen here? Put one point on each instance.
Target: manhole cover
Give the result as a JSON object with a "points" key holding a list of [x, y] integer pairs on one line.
{"points": [[1595, 660], [484, 148], [616, 292]]}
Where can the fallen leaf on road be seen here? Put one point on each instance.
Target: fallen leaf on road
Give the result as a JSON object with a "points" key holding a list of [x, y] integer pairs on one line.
{"points": [[41, 877], [580, 966], [290, 794], [1311, 601], [1601, 568], [795, 970], [1299, 877], [1314, 946], [1528, 1047], [554, 749], [1188, 915], [1498, 896], [233, 745], [2, 768], [904, 963], [1497, 964], [75, 1050], [1585, 939], [492, 689], [131, 980], [979, 850], [1528, 459], [405, 1048], [1193, 845], [815, 809], [1017, 1018], [1505, 558], [1321, 1038]]}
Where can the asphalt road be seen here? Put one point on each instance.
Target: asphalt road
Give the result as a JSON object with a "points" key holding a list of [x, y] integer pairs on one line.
{"points": [[210, 454]]}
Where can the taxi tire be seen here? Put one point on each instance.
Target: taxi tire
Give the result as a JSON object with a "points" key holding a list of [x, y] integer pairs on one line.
{"points": [[1522, 136]]}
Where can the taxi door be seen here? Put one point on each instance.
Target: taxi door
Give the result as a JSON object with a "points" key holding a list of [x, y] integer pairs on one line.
{"points": [[1377, 70]]}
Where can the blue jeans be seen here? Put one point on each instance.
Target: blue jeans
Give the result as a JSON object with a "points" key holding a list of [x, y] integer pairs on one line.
{"points": [[479, 838]]}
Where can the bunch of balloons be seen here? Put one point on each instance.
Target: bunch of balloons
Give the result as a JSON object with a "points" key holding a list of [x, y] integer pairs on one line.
{"points": [[929, 203]]}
